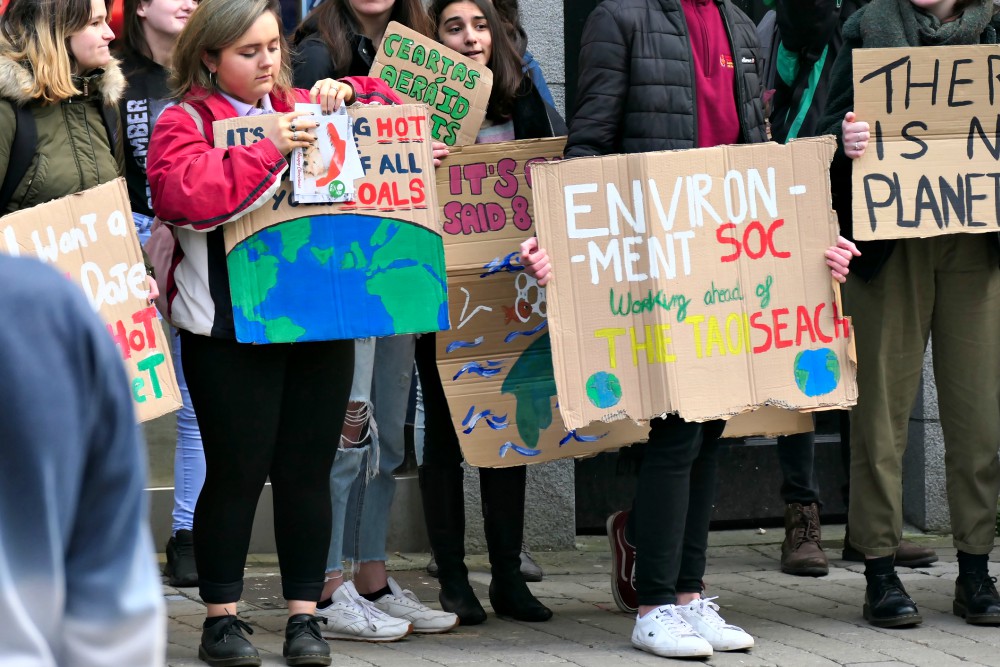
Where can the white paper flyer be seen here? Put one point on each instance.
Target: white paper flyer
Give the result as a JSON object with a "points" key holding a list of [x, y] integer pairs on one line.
{"points": [[325, 172]]}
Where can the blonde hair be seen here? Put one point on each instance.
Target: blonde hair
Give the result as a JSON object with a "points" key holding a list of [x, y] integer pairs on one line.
{"points": [[37, 32], [213, 26]]}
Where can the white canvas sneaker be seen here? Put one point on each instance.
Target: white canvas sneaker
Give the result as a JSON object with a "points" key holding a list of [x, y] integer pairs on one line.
{"points": [[403, 604], [354, 618], [703, 616], [665, 633]]}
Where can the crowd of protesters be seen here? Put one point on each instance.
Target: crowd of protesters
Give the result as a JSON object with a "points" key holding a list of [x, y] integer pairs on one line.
{"points": [[323, 421]]}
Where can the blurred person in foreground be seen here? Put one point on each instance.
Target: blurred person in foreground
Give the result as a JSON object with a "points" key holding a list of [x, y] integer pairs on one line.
{"points": [[78, 581]]}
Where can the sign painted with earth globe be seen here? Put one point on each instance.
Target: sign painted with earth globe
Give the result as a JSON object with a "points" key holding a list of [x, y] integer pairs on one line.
{"points": [[373, 266], [694, 282], [496, 361]]}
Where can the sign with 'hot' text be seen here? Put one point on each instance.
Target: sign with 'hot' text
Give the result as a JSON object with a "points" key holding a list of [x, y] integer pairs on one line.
{"points": [[91, 238], [495, 363], [371, 266], [932, 165], [693, 282]]}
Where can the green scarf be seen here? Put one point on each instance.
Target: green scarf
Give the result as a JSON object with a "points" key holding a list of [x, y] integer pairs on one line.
{"points": [[889, 23]]}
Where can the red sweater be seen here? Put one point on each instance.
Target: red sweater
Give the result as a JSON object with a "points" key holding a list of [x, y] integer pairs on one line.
{"points": [[714, 74]]}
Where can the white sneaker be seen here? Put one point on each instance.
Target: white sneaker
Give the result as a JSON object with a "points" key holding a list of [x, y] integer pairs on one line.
{"points": [[403, 604], [664, 632], [355, 618], [703, 615]]}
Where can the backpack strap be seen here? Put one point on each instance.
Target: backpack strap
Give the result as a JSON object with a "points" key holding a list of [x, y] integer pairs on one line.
{"points": [[199, 122], [22, 150]]}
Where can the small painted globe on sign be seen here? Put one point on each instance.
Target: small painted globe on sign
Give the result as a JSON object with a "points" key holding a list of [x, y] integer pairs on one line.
{"points": [[604, 390], [817, 372]]}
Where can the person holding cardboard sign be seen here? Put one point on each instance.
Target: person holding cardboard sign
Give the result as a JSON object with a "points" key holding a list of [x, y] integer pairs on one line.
{"points": [[516, 111], [339, 38], [900, 293], [636, 95], [264, 410]]}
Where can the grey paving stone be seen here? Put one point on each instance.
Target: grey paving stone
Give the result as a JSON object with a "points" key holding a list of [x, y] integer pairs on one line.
{"points": [[797, 622]]}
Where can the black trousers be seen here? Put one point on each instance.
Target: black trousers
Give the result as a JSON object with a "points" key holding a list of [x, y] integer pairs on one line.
{"points": [[796, 454], [441, 446], [673, 507], [265, 411]]}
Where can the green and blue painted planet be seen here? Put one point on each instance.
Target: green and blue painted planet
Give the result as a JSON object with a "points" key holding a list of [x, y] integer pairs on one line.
{"points": [[364, 276]]}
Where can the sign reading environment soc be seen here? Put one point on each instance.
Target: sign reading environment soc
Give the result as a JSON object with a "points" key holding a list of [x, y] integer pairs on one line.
{"points": [[693, 282]]}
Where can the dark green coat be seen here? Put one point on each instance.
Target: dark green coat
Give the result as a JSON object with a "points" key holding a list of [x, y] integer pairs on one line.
{"points": [[73, 151]]}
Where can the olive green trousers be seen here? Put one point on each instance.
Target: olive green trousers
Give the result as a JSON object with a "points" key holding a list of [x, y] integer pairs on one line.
{"points": [[946, 288]]}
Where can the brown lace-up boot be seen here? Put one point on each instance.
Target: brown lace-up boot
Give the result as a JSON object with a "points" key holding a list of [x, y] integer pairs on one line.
{"points": [[802, 551]]}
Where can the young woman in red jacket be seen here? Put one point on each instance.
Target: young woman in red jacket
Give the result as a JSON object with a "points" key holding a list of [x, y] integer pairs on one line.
{"points": [[264, 410]]}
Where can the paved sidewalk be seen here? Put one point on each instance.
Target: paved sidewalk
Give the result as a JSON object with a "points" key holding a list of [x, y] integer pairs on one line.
{"points": [[797, 621]]}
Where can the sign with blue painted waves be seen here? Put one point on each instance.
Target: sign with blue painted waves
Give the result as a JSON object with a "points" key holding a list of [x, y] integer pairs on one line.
{"points": [[694, 282]]}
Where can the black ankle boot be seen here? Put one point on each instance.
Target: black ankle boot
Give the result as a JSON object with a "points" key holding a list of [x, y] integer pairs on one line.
{"points": [[181, 570], [503, 521], [886, 603], [976, 598], [304, 645], [443, 492], [224, 645]]}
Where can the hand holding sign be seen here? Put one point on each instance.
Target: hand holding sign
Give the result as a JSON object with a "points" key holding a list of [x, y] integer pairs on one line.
{"points": [[291, 131], [838, 257], [536, 261], [855, 135], [330, 94]]}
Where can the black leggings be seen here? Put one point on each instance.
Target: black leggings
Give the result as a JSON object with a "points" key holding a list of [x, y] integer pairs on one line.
{"points": [[265, 410], [441, 446], [673, 507]]}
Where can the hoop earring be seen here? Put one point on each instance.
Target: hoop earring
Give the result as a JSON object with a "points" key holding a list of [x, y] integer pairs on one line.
{"points": [[213, 79]]}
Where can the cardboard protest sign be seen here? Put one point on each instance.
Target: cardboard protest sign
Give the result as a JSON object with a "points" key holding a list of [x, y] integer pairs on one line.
{"points": [[455, 88], [931, 166], [370, 267], [495, 363], [693, 282], [90, 237], [768, 421]]}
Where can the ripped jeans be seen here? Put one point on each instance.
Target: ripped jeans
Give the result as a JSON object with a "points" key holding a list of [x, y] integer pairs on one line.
{"points": [[361, 480]]}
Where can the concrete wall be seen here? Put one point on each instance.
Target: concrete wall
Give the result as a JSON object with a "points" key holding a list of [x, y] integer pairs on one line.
{"points": [[543, 19]]}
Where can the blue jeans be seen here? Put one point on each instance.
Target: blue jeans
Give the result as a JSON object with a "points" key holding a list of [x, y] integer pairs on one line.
{"points": [[189, 456], [361, 480]]}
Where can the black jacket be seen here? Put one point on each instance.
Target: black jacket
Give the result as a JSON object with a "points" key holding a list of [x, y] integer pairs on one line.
{"points": [[874, 254], [312, 60], [146, 96], [637, 90], [533, 117]]}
